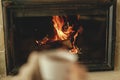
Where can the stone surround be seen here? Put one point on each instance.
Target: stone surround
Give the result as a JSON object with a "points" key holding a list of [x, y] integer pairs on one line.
{"points": [[106, 75], [2, 51]]}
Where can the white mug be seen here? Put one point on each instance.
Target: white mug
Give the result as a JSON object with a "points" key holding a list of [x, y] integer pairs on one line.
{"points": [[54, 64]]}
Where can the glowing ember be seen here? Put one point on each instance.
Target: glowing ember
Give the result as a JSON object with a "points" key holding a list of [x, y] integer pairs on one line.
{"points": [[63, 31]]}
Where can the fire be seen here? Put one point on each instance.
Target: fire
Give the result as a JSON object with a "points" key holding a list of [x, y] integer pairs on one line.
{"points": [[75, 48], [63, 31], [58, 26]]}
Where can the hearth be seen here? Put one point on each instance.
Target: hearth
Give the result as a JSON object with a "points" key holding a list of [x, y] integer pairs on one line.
{"points": [[88, 27]]}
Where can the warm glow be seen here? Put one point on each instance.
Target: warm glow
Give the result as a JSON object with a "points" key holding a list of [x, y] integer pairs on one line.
{"points": [[58, 26], [63, 31]]}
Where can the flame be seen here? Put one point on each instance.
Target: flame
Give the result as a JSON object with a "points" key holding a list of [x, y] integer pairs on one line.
{"points": [[63, 34], [75, 49], [58, 26]]}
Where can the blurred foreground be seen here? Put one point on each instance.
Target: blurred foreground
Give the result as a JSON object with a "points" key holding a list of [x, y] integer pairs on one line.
{"points": [[33, 71]]}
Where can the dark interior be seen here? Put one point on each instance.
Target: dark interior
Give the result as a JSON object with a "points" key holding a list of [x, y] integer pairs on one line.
{"points": [[92, 41]]}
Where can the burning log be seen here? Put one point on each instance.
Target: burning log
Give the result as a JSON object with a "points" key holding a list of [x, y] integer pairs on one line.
{"points": [[62, 44], [66, 44]]}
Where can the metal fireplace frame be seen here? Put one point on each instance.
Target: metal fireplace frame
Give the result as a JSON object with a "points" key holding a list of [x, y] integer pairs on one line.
{"points": [[61, 8]]}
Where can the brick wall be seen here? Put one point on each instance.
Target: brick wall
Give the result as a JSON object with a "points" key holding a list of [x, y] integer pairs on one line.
{"points": [[107, 75]]}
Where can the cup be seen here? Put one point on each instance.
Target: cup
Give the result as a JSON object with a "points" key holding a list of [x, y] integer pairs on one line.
{"points": [[54, 65]]}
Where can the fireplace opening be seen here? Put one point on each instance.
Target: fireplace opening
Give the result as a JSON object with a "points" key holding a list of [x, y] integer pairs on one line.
{"points": [[91, 31], [91, 41]]}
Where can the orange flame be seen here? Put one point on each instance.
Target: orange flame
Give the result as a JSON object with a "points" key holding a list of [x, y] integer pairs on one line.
{"points": [[58, 26], [63, 34], [75, 49]]}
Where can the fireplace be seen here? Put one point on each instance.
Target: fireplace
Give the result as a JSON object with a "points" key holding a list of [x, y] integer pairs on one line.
{"points": [[28, 23]]}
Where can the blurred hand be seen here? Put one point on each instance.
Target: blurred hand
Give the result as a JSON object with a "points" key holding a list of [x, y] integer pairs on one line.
{"points": [[30, 70]]}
